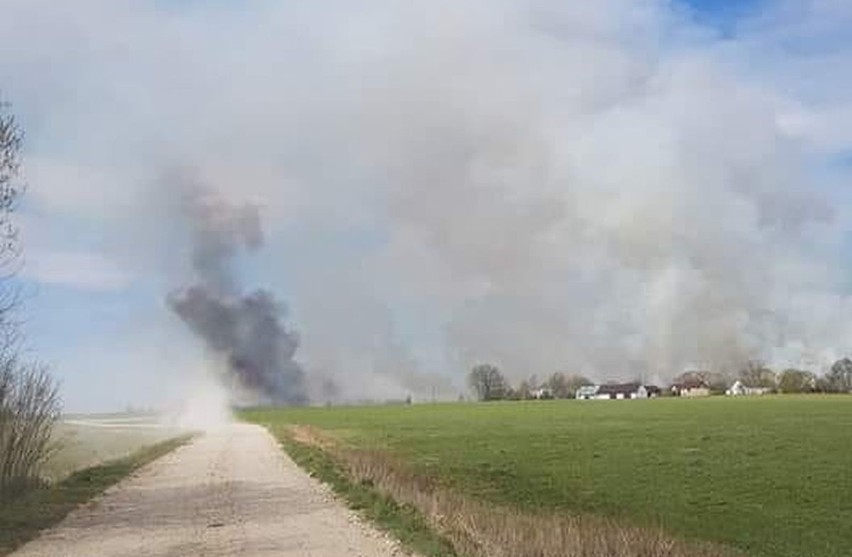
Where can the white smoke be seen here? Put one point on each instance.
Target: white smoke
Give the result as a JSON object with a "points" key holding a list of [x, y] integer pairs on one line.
{"points": [[601, 187], [205, 405]]}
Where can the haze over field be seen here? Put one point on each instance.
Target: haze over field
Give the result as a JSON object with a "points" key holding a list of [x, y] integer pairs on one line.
{"points": [[608, 188]]}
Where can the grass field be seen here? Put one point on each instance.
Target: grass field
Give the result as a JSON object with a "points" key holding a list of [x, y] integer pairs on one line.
{"points": [[87, 440], [771, 476]]}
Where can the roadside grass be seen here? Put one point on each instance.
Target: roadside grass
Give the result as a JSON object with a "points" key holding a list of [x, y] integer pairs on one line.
{"points": [[465, 526], [769, 476], [22, 518], [403, 522]]}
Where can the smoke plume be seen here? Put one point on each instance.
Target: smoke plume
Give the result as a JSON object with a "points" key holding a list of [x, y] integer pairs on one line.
{"points": [[611, 188], [243, 329]]}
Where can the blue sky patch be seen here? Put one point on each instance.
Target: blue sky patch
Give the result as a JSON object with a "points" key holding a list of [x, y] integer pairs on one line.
{"points": [[723, 15]]}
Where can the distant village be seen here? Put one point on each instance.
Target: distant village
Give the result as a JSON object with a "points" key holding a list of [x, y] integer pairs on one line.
{"points": [[487, 382]]}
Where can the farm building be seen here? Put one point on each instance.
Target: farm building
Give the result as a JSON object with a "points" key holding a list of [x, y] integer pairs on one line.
{"points": [[653, 391], [622, 391], [587, 392], [691, 389], [617, 391], [738, 389]]}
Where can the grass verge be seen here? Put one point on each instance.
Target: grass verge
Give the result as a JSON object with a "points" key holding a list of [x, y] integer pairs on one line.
{"points": [[434, 520], [22, 518], [404, 522]]}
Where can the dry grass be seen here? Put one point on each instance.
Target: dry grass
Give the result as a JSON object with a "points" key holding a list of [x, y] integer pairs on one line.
{"points": [[313, 436], [479, 529], [92, 440]]}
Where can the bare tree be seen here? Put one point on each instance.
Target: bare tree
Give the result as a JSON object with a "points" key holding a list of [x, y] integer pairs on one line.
{"points": [[564, 386], [487, 382], [29, 400], [797, 381], [839, 377], [575, 381], [755, 374], [11, 139], [525, 389], [558, 385]]}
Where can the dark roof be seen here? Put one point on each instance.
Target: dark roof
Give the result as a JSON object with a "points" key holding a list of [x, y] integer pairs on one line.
{"points": [[624, 388], [691, 384]]}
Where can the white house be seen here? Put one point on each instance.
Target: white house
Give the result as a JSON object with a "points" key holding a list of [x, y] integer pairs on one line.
{"points": [[623, 391], [587, 392], [542, 393], [738, 389], [690, 389]]}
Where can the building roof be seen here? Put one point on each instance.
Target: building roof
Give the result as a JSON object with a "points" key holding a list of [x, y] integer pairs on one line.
{"points": [[691, 384], [623, 388]]}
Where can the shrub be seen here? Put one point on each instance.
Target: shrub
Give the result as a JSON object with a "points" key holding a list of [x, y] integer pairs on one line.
{"points": [[29, 408]]}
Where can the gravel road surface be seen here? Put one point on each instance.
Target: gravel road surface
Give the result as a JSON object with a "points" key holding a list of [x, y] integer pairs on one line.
{"points": [[229, 492]]}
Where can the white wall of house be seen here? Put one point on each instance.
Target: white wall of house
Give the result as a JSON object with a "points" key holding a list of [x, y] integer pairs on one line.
{"points": [[695, 391], [738, 389], [641, 392], [586, 393]]}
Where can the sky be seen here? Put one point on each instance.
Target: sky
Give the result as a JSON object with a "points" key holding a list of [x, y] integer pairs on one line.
{"points": [[617, 188]]}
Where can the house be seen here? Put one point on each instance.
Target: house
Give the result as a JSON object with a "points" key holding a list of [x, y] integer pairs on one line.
{"points": [[617, 391], [543, 393], [738, 389], [587, 392], [691, 388], [621, 391]]}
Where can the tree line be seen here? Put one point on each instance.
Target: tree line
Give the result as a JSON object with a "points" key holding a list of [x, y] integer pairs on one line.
{"points": [[837, 379], [488, 382]]}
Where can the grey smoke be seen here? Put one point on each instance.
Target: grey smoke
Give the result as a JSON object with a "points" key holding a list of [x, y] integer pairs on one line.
{"points": [[245, 329], [602, 187]]}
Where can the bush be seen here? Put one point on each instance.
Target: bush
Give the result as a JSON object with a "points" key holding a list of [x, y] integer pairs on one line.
{"points": [[29, 408]]}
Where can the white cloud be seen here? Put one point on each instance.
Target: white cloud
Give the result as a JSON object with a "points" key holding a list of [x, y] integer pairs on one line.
{"points": [[68, 187], [84, 271]]}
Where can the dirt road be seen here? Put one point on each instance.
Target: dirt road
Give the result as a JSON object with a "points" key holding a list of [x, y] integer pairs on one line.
{"points": [[232, 492]]}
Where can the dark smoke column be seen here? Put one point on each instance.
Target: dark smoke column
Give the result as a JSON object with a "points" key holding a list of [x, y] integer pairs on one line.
{"points": [[245, 330]]}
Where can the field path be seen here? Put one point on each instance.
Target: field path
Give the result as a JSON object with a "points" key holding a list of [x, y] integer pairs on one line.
{"points": [[231, 492]]}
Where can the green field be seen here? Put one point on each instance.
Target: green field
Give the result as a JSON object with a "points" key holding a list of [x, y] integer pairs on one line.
{"points": [[769, 475]]}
